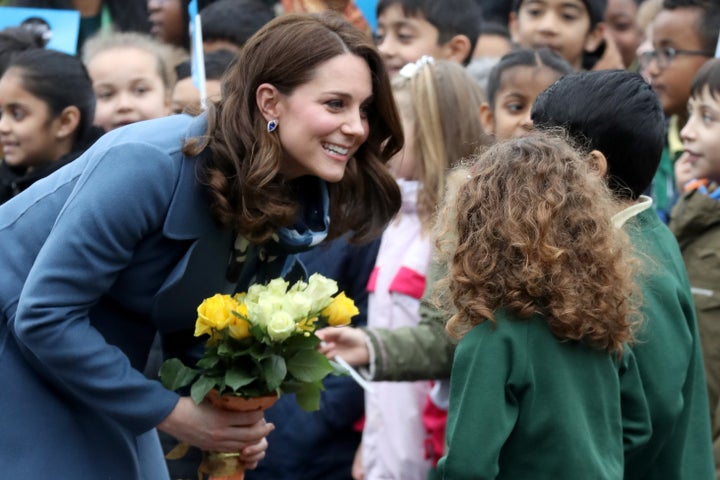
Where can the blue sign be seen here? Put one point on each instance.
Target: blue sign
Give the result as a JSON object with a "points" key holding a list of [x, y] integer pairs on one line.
{"points": [[59, 28]]}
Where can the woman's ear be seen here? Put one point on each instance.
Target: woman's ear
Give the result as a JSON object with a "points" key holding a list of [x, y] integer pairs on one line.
{"points": [[67, 122], [268, 101], [486, 119], [598, 163]]}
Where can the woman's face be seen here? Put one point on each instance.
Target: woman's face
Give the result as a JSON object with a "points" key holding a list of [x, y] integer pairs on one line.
{"points": [[323, 122]]}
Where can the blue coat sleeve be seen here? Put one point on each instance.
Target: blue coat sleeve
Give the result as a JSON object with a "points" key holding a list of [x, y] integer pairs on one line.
{"points": [[120, 198]]}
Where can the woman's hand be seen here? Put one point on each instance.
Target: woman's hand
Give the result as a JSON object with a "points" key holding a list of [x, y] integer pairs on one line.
{"points": [[347, 342], [210, 428]]}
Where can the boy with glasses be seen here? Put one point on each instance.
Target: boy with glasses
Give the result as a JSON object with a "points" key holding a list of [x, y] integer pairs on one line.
{"points": [[684, 36]]}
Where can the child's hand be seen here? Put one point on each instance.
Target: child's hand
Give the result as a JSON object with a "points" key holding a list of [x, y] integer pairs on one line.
{"points": [[347, 342], [683, 172], [611, 58]]}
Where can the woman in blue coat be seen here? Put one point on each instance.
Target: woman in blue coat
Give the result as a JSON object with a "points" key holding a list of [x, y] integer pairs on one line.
{"points": [[127, 240]]}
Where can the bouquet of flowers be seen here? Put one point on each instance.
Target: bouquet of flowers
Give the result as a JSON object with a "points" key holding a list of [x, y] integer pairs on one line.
{"points": [[262, 342], [261, 345]]}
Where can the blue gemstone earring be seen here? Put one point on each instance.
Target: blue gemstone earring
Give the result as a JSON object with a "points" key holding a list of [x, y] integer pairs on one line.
{"points": [[272, 125]]}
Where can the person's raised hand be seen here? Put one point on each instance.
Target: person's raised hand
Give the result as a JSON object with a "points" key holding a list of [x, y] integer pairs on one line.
{"points": [[347, 342]]}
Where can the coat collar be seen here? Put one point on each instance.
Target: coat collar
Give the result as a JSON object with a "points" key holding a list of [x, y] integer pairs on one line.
{"points": [[189, 214]]}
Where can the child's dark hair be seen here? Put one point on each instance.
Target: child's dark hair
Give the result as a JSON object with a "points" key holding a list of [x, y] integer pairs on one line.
{"points": [[234, 21], [615, 112], [60, 80], [450, 17], [707, 77], [216, 63], [524, 57], [595, 8], [709, 22], [14, 40]]}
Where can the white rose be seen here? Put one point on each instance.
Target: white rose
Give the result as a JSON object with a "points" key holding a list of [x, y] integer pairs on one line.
{"points": [[297, 304], [320, 291], [277, 286], [280, 326]]}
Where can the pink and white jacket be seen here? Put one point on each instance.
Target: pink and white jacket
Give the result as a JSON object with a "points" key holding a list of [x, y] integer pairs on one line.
{"points": [[393, 440]]}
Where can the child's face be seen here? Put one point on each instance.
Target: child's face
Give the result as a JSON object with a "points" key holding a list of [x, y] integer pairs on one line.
{"points": [[166, 20], [561, 25], [186, 95], [675, 29], [28, 132], [621, 20], [403, 39], [701, 136], [128, 87], [519, 87]]}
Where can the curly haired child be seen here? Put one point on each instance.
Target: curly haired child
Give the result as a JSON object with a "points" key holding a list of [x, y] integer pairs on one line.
{"points": [[542, 282]]}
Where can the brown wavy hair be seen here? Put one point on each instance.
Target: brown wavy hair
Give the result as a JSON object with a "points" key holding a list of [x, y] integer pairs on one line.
{"points": [[533, 235], [242, 167]]}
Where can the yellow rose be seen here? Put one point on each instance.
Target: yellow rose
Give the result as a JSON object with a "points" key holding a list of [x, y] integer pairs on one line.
{"points": [[280, 326], [214, 313], [340, 311], [239, 328]]}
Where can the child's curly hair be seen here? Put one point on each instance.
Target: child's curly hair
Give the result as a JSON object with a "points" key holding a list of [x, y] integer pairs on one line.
{"points": [[532, 232]]}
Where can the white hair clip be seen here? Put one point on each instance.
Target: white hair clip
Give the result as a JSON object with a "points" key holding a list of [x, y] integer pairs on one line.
{"points": [[411, 69]]}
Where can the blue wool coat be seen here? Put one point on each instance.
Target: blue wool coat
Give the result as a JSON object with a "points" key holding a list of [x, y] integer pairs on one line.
{"points": [[95, 259]]}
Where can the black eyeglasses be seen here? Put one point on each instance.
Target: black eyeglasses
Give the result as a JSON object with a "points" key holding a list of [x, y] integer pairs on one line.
{"points": [[664, 56]]}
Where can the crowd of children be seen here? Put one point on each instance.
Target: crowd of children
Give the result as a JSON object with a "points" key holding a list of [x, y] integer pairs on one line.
{"points": [[544, 303]]}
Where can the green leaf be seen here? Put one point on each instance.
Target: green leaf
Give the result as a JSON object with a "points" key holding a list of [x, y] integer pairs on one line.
{"points": [[208, 361], [200, 388], [174, 374], [236, 378], [309, 366], [274, 371], [308, 396], [225, 350], [302, 342]]}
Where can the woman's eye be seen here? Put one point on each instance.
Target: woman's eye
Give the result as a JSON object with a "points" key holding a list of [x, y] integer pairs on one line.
{"points": [[141, 90], [334, 104], [104, 95]]}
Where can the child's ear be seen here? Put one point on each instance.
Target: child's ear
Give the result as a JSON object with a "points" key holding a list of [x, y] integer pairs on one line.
{"points": [[268, 99], [487, 119], [67, 122], [595, 38], [598, 163], [457, 48]]}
